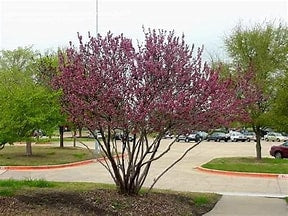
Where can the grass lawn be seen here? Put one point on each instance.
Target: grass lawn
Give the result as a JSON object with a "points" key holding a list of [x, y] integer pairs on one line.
{"points": [[247, 164], [40, 197], [42, 155]]}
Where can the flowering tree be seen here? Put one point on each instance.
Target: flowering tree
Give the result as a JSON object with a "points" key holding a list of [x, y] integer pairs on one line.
{"points": [[109, 86]]}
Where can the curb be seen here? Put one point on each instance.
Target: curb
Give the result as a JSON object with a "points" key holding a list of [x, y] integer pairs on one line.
{"points": [[45, 167], [57, 166], [242, 174]]}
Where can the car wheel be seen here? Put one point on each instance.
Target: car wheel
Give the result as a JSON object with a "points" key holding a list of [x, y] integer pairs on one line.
{"points": [[278, 155], [266, 139], [248, 139], [278, 140]]}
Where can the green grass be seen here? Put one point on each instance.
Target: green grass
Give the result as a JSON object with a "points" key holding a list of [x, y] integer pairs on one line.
{"points": [[39, 183], [247, 164], [42, 155], [10, 187], [199, 199]]}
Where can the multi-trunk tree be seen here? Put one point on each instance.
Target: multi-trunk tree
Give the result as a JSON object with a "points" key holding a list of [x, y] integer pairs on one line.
{"points": [[110, 86]]}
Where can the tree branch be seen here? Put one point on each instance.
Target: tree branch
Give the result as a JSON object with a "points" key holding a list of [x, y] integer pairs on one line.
{"points": [[173, 164]]}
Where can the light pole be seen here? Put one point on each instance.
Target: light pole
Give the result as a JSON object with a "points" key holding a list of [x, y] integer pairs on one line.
{"points": [[96, 18]]}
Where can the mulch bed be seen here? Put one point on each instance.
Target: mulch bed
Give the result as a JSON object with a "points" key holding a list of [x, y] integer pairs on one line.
{"points": [[99, 202]]}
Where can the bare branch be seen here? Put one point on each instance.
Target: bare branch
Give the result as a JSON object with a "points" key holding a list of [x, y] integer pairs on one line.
{"points": [[106, 166], [173, 164], [162, 154]]}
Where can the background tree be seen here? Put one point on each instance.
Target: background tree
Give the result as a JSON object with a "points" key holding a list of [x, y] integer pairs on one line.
{"points": [[46, 68], [20, 59], [25, 108], [279, 113], [109, 86], [263, 48], [25, 105]]}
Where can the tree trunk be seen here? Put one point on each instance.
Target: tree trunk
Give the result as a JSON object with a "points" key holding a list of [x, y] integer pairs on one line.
{"points": [[80, 131], [257, 131], [74, 138], [61, 132], [28, 148]]}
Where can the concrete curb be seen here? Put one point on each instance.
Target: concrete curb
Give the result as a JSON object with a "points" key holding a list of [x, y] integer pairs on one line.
{"points": [[57, 166], [242, 174], [45, 167]]}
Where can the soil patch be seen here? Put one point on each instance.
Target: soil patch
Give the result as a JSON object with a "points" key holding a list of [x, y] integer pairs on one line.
{"points": [[102, 202]]}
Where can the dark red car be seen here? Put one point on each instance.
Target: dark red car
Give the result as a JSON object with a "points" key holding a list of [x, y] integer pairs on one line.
{"points": [[280, 151]]}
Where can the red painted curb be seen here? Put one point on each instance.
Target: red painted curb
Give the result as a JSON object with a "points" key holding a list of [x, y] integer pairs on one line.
{"points": [[242, 174], [45, 167], [48, 166]]}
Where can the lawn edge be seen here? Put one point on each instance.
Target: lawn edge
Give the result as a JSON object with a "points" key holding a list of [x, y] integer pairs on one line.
{"points": [[41, 167], [56, 166]]}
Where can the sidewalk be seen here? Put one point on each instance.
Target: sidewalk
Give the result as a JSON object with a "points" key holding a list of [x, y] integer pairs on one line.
{"points": [[249, 206]]}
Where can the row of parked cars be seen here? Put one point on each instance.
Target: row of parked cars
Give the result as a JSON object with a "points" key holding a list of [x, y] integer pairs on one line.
{"points": [[233, 136], [277, 151]]}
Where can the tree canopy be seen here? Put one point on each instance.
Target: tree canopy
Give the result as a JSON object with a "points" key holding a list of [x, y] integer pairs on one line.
{"points": [[162, 86], [263, 48], [25, 105]]}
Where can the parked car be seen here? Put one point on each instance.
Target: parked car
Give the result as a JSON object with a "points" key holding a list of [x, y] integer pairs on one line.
{"points": [[181, 137], [250, 136], [168, 136], [120, 136], [189, 137], [218, 136], [236, 136], [97, 133], [280, 151], [273, 136], [203, 135]]}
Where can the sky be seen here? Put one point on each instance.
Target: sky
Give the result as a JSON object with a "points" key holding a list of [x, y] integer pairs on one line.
{"points": [[48, 24]]}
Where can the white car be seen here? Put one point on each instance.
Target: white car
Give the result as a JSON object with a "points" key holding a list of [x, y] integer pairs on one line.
{"points": [[236, 136], [250, 136], [273, 136]]}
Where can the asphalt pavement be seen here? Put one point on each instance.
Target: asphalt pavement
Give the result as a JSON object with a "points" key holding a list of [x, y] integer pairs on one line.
{"points": [[242, 195]]}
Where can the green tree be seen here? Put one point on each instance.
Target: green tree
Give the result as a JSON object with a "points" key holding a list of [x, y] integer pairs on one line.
{"points": [[18, 59], [279, 112], [46, 68], [25, 105], [263, 48]]}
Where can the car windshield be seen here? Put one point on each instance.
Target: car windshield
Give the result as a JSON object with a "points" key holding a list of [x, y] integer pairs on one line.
{"points": [[220, 134], [277, 134]]}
